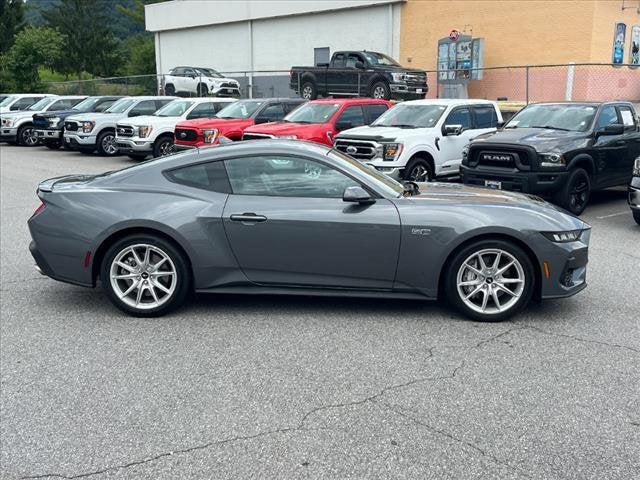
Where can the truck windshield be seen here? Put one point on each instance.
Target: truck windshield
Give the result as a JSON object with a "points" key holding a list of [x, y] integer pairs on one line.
{"points": [[42, 104], [209, 72], [174, 109], [241, 109], [86, 105], [6, 101], [410, 116], [120, 106], [576, 118], [313, 113], [375, 58]]}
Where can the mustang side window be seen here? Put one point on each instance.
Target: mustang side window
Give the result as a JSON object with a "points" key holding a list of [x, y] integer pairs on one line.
{"points": [[285, 177], [207, 176]]}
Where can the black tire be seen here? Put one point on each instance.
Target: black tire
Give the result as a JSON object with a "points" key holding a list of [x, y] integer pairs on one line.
{"points": [[26, 138], [636, 216], [163, 146], [418, 170], [576, 191], [202, 90], [137, 156], [179, 290], [53, 145], [380, 90], [308, 90], [169, 90], [106, 143], [454, 294]]}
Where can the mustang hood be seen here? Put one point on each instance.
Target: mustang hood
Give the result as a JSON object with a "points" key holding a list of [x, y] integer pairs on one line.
{"points": [[542, 139]]}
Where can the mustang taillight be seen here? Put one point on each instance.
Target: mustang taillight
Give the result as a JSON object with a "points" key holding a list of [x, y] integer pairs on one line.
{"points": [[39, 209]]}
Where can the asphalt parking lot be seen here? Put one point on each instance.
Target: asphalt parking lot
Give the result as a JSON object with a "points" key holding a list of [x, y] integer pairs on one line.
{"points": [[277, 387]]}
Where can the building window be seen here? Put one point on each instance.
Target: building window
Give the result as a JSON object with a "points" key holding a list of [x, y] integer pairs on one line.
{"points": [[321, 55]]}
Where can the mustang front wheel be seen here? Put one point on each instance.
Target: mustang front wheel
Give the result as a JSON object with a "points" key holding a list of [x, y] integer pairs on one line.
{"points": [[145, 276], [490, 280]]}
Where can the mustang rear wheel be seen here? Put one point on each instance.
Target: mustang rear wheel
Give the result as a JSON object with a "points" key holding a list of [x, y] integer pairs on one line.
{"points": [[490, 280], [145, 276]]}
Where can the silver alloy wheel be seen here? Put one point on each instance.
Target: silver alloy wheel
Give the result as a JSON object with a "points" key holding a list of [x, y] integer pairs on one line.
{"points": [[166, 148], [109, 144], [490, 281], [29, 136], [307, 92], [143, 276], [378, 92], [419, 174]]}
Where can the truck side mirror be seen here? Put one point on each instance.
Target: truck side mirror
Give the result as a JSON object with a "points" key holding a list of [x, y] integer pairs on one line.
{"points": [[451, 130], [500, 124], [343, 125], [359, 65], [614, 129]]}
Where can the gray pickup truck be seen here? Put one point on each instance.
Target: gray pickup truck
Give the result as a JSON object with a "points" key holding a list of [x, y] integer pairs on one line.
{"points": [[361, 74]]}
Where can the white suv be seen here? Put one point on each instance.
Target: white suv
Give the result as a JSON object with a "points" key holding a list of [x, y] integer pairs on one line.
{"points": [[153, 134], [197, 81], [421, 139]]}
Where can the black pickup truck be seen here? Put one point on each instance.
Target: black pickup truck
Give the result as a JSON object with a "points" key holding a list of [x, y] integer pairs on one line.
{"points": [[361, 74], [562, 151]]}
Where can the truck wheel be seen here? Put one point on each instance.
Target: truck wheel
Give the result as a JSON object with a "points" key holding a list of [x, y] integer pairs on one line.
{"points": [[308, 91], [107, 144], [418, 170], [163, 146], [380, 90], [27, 136], [169, 90], [636, 216], [574, 195], [202, 90]]}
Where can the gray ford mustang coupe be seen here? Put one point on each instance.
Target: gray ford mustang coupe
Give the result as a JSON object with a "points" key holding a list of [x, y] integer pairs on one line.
{"points": [[281, 216]]}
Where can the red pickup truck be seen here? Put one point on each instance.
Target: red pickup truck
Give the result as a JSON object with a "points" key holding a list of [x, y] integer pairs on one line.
{"points": [[320, 120], [231, 121]]}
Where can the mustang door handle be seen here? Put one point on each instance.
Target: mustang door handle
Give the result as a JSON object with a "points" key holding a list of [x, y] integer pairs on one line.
{"points": [[247, 217]]}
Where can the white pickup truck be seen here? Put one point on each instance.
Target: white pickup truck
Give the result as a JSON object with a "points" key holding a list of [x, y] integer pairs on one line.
{"points": [[154, 134], [420, 140], [198, 81]]}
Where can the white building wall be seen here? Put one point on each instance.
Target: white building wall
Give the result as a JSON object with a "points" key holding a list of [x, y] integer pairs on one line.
{"points": [[281, 42]]}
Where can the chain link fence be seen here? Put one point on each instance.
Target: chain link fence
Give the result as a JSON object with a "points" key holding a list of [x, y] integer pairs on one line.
{"points": [[528, 83]]}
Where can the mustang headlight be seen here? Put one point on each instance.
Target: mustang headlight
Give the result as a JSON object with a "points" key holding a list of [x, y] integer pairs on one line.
{"points": [[88, 126], [552, 160], [391, 151], [636, 167], [209, 136], [288, 137], [398, 76], [564, 237], [144, 131]]}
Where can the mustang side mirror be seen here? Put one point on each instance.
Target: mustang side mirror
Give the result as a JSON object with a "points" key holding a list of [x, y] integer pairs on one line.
{"points": [[614, 129], [357, 195], [452, 130]]}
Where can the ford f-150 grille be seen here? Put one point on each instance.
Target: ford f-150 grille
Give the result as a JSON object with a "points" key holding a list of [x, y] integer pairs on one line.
{"points": [[358, 149], [186, 135], [124, 131], [71, 126], [256, 136], [416, 78]]}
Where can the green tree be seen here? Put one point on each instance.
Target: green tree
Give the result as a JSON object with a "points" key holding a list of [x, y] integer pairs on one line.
{"points": [[90, 45], [11, 22], [33, 48]]}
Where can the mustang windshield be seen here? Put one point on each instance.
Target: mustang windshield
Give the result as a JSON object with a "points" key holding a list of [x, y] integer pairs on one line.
{"points": [[561, 116], [410, 116]]}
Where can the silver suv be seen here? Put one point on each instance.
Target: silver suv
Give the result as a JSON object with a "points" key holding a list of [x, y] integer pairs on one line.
{"points": [[97, 131]]}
